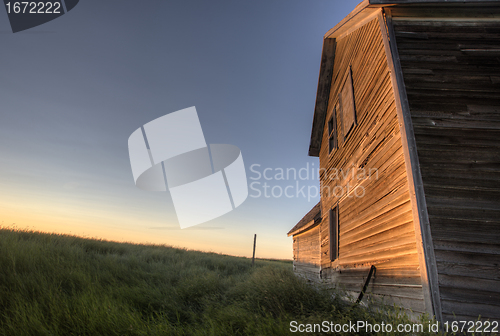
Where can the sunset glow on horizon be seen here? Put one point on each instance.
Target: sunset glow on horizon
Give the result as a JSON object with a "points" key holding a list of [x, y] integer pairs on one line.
{"points": [[73, 91]]}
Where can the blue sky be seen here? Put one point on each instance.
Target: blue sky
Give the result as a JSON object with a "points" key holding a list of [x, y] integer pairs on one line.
{"points": [[74, 89]]}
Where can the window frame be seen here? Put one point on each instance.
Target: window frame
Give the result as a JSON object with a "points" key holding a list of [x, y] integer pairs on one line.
{"points": [[332, 131], [334, 232], [348, 85]]}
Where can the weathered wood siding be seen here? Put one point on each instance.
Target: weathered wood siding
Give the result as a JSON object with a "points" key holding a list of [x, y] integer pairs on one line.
{"points": [[306, 253], [377, 227], [451, 71]]}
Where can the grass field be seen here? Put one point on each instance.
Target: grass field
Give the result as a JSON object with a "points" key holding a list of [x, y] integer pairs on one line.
{"points": [[64, 285]]}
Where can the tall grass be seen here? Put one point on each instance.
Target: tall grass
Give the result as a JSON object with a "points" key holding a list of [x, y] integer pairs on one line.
{"points": [[64, 285]]}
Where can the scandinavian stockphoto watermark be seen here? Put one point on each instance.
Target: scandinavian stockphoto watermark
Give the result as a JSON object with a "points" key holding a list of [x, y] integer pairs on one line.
{"points": [[205, 181], [302, 183]]}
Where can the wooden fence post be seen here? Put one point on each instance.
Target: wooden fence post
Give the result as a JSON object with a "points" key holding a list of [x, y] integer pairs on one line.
{"points": [[254, 240]]}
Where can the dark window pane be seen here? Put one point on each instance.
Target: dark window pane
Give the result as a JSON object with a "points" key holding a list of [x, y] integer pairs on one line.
{"points": [[334, 233]]}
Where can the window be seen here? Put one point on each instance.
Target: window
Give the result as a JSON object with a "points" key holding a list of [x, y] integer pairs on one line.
{"points": [[334, 233], [332, 131], [347, 107]]}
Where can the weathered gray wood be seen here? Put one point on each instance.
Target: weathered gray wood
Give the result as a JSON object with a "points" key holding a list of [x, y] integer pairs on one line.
{"points": [[454, 104], [309, 271], [450, 230], [456, 10], [307, 248], [420, 217], [473, 247], [414, 308], [468, 295], [471, 310], [473, 270], [472, 283]]}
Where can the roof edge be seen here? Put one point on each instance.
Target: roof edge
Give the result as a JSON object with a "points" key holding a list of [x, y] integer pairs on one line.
{"points": [[312, 217], [306, 227], [362, 5], [322, 94]]}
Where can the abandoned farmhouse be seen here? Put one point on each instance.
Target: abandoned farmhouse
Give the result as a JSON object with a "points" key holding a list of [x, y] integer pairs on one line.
{"points": [[409, 89]]}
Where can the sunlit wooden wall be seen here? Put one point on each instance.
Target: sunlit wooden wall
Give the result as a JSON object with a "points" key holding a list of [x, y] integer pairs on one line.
{"points": [[375, 220]]}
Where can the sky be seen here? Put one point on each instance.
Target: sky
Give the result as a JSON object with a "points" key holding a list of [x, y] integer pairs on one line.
{"points": [[74, 89]]}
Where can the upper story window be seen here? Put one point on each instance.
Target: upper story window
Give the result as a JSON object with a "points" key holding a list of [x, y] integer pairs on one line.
{"points": [[332, 131], [347, 108]]}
